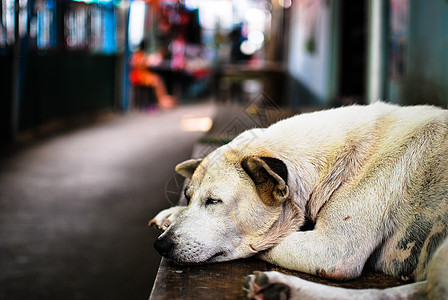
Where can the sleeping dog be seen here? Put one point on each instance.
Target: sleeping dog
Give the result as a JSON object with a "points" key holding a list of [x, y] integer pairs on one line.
{"points": [[372, 180]]}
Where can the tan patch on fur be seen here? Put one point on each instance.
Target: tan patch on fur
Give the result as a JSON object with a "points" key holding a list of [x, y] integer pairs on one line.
{"points": [[420, 270], [265, 192], [402, 255]]}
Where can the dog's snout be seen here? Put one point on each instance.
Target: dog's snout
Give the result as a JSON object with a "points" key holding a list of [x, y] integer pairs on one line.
{"points": [[164, 246]]}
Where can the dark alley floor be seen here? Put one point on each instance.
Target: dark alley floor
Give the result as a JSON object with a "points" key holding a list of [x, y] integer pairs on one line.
{"points": [[74, 207]]}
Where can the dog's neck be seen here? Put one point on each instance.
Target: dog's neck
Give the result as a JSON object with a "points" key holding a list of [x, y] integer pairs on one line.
{"points": [[291, 220]]}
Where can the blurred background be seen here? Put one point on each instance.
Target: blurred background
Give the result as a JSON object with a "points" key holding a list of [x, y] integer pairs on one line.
{"points": [[62, 58], [99, 99]]}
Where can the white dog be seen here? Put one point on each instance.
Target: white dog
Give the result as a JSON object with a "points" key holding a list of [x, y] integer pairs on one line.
{"points": [[372, 181]]}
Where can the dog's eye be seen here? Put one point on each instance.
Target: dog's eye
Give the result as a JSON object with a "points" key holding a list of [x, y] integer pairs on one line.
{"points": [[211, 201]]}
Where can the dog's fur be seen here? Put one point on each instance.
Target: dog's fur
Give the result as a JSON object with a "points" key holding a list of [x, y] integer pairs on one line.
{"points": [[372, 180]]}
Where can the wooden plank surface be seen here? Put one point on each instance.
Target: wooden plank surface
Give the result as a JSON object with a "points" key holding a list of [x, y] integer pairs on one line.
{"points": [[212, 281], [225, 280]]}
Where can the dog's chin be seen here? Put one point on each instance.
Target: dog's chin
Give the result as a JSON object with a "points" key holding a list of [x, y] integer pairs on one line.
{"points": [[220, 256]]}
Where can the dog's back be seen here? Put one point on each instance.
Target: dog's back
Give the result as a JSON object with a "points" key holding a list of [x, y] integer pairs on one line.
{"points": [[400, 155]]}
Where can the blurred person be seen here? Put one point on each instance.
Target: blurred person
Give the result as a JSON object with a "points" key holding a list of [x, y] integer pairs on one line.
{"points": [[140, 76]]}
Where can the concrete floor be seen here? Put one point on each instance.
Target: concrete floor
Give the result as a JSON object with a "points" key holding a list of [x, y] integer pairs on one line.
{"points": [[74, 207]]}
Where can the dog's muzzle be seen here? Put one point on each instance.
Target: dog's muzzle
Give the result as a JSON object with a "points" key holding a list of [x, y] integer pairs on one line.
{"points": [[164, 246]]}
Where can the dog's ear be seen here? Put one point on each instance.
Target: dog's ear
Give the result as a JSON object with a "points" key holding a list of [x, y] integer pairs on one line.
{"points": [[270, 176], [188, 167]]}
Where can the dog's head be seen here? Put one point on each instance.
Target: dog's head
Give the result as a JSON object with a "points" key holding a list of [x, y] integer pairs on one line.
{"points": [[238, 206]]}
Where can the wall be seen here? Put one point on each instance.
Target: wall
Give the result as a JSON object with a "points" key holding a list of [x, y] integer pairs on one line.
{"points": [[312, 73], [425, 76], [377, 49], [64, 85], [5, 96], [426, 79]]}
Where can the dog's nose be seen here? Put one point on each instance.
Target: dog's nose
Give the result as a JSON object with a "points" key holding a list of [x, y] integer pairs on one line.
{"points": [[164, 246]]}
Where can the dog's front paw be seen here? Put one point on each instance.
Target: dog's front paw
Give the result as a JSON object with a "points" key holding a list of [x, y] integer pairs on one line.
{"points": [[166, 217], [260, 286]]}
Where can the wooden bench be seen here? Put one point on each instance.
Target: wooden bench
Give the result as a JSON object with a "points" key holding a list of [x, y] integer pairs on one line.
{"points": [[225, 280]]}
